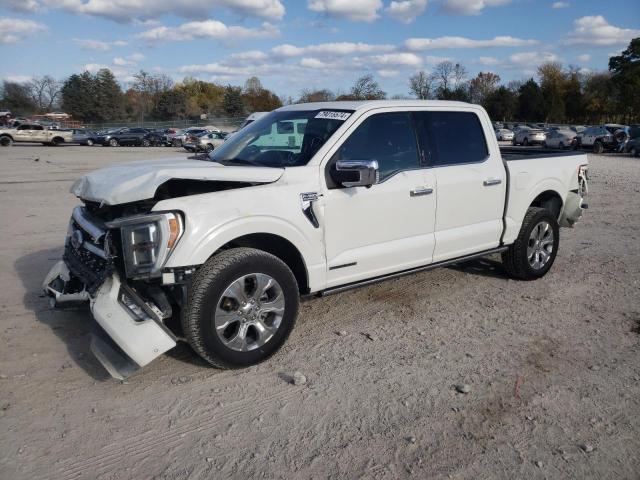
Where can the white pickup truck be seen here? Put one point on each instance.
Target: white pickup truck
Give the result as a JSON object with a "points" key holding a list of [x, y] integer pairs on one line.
{"points": [[34, 133], [219, 252]]}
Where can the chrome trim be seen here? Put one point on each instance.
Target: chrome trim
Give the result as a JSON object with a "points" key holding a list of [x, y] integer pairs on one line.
{"points": [[416, 192], [492, 181], [367, 170], [371, 281], [88, 223]]}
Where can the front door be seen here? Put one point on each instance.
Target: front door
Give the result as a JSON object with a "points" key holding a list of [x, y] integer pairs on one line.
{"points": [[388, 227]]}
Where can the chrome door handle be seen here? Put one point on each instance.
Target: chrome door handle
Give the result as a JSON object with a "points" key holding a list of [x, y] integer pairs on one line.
{"points": [[416, 192], [492, 181]]}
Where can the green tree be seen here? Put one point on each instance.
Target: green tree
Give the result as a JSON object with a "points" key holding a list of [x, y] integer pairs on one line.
{"points": [[530, 102], [574, 97], [170, 105], [16, 98], [625, 70], [502, 104], [108, 96], [232, 104], [599, 100], [552, 83]]}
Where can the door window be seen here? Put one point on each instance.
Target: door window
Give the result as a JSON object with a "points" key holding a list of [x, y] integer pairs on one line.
{"points": [[388, 138], [452, 138]]}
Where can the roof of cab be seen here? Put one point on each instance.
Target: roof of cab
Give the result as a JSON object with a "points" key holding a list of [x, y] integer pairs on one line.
{"points": [[369, 104]]}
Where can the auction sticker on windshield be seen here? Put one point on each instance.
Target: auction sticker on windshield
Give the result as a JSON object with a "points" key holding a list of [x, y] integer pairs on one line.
{"points": [[333, 115]]}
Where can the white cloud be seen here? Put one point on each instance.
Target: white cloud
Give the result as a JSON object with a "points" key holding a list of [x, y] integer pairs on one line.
{"points": [[207, 29], [386, 73], [126, 11], [89, 44], [355, 10], [470, 7], [595, 30], [13, 30], [18, 78], [560, 5], [462, 42], [131, 60], [585, 57], [250, 56], [310, 62], [433, 59], [406, 11], [214, 69], [22, 6], [530, 59], [395, 59], [329, 49], [488, 61]]}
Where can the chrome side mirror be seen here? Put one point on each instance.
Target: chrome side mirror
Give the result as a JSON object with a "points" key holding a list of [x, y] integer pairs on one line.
{"points": [[357, 173]]}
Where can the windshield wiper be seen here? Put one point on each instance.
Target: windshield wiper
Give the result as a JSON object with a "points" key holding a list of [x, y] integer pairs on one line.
{"points": [[241, 161]]}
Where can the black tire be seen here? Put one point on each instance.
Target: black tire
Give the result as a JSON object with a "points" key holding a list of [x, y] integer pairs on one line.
{"points": [[515, 259], [208, 148], [513, 142], [113, 142], [146, 142], [208, 285], [634, 152], [525, 142], [598, 147], [561, 145], [6, 141], [56, 142]]}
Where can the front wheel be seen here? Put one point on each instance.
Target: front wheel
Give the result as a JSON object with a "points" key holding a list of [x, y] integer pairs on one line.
{"points": [[6, 141], [113, 142], [89, 143], [241, 308], [146, 142], [534, 251]]}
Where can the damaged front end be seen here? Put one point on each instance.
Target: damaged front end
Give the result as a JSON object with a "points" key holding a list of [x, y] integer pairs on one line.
{"points": [[116, 266]]}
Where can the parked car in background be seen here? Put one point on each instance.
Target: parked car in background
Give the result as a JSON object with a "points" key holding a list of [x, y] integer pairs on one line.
{"points": [[559, 139], [599, 139], [34, 133], [633, 147], [181, 136], [203, 142], [504, 135], [529, 136], [578, 128], [158, 138], [124, 136], [83, 136]]}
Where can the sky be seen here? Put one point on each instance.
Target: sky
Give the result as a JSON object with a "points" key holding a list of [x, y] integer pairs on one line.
{"points": [[308, 44]]}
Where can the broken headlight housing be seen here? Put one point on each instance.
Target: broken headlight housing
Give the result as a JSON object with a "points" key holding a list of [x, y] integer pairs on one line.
{"points": [[147, 241]]}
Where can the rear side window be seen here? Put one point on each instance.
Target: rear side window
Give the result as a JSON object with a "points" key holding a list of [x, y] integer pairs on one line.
{"points": [[452, 138]]}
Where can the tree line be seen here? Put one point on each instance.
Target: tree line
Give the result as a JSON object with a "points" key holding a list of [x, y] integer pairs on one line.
{"points": [[558, 95]]}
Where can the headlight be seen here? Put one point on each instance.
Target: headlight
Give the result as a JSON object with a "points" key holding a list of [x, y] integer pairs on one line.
{"points": [[147, 241]]}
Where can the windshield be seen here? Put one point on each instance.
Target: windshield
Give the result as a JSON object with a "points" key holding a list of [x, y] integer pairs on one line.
{"points": [[281, 138]]}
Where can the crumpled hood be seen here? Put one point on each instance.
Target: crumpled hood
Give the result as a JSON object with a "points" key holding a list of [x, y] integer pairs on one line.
{"points": [[135, 181]]}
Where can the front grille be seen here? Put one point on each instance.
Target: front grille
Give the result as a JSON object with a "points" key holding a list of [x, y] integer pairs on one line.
{"points": [[87, 257]]}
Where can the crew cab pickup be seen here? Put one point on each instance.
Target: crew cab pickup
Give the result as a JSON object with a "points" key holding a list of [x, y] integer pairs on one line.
{"points": [[218, 252], [34, 133]]}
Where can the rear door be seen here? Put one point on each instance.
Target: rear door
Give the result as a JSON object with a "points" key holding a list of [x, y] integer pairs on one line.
{"points": [[471, 182]]}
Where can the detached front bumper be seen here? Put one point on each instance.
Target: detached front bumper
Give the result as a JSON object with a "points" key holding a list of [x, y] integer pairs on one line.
{"points": [[137, 342]]}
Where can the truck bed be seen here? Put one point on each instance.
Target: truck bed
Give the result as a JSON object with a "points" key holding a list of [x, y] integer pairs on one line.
{"points": [[526, 153]]}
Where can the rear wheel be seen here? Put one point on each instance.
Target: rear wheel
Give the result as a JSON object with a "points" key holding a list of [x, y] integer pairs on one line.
{"points": [[89, 142], [146, 142], [534, 251], [208, 148], [241, 308], [598, 147], [113, 142]]}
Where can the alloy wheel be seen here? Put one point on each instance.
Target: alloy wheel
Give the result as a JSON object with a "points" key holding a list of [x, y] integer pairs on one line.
{"points": [[249, 312], [540, 245]]}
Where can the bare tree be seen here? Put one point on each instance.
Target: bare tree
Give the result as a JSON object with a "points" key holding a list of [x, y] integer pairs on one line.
{"points": [[324, 95], [421, 84], [482, 86], [45, 92], [443, 74], [459, 75], [366, 88]]}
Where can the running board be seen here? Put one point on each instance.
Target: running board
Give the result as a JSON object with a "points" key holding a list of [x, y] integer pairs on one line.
{"points": [[389, 276]]}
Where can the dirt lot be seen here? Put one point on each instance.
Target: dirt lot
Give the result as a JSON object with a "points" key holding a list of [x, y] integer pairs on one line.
{"points": [[553, 365]]}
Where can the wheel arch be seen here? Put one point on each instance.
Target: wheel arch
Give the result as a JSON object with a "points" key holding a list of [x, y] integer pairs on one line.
{"points": [[277, 246], [550, 200], [6, 135]]}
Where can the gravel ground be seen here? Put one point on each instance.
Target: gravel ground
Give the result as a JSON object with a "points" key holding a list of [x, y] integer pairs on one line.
{"points": [[550, 367]]}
